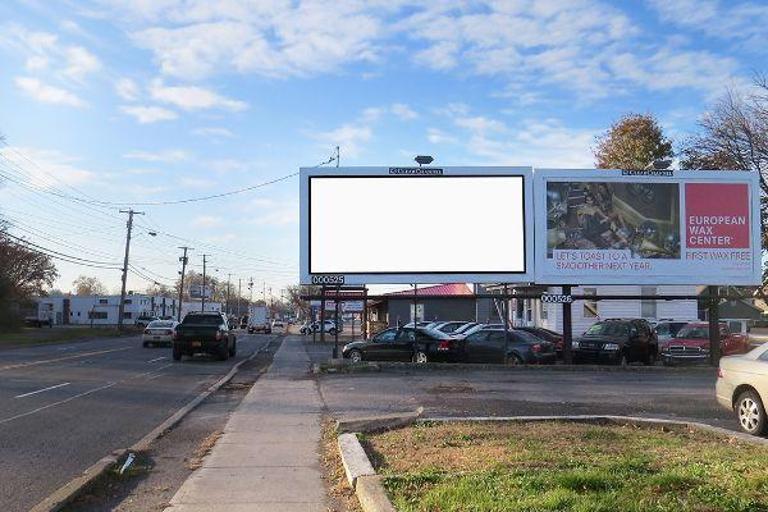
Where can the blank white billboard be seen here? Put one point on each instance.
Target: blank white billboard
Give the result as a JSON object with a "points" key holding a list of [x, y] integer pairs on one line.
{"points": [[371, 225]]}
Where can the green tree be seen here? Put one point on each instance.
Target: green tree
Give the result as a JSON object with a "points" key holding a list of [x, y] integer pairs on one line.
{"points": [[24, 273], [633, 142]]}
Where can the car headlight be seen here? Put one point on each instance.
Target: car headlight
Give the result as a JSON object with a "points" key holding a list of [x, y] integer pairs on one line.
{"points": [[575, 345], [665, 348], [611, 346]]}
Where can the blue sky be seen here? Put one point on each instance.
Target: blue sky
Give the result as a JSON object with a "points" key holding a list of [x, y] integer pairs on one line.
{"points": [[152, 100]]}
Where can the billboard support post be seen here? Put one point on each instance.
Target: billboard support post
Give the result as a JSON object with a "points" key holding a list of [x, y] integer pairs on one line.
{"points": [[321, 322], [505, 309], [336, 325], [713, 296], [364, 317], [567, 327]]}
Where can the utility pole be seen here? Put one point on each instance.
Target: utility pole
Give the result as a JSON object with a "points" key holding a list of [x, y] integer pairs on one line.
{"points": [[183, 259], [129, 225], [202, 292], [239, 293], [229, 309], [338, 156]]}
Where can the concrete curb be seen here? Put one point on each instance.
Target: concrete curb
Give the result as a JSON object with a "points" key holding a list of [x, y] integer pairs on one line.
{"points": [[72, 489], [377, 423], [346, 367], [354, 459], [588, 418], [372, 495]]}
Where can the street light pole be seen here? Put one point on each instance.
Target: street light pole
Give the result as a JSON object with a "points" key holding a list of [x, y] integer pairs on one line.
{"points": [[202, 291], [183, 260]]}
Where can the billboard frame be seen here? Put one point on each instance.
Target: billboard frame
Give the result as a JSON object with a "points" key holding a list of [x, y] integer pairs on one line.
{"points": [[544, 276], [378, 277]]}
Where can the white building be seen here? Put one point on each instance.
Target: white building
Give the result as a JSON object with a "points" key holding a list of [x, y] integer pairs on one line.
{"points": [[529, 312], [103, 309]]}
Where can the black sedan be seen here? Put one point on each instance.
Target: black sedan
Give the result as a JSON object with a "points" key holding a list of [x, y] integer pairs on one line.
{"points": [[487, 346], [403, 344]]}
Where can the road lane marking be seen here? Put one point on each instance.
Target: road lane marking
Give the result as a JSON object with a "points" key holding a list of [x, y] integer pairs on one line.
{"points": [[42, 390], [54, 404], [76, 356], [157, 359]]}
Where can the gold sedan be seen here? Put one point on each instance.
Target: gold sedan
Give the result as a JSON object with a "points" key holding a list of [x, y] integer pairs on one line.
{"points": [[742, 386]]}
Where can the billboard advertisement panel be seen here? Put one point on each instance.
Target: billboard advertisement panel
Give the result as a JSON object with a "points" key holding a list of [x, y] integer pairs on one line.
{"points": [[367, 225], [655, 227]]}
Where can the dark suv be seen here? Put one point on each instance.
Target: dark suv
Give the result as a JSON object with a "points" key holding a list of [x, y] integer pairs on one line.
{"points": [[617, 341], [204, 332]]}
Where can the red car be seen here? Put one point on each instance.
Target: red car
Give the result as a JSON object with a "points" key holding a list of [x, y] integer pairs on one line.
{"points": [[691, 344]]}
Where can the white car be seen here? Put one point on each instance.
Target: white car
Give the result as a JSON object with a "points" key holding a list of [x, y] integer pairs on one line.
{"points": [[278, 324], [742, 386], [159, 332]]}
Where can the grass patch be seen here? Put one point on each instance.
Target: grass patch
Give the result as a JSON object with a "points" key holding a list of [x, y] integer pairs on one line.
{"points": [[553, 466], [48, 335]]}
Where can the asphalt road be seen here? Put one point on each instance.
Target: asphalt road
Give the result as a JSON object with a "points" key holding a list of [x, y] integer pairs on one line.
{"points": [[63, 407]]}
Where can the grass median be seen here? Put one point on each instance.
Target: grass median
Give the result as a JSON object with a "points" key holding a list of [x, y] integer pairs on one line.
{"points": [[45, 335], [498, 466]]}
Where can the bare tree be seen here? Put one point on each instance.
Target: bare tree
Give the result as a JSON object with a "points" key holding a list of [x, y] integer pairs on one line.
{"points": [[88, 285]]}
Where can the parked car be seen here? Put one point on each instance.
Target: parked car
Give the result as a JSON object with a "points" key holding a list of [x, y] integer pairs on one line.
{"points": [[476, 328], [667, 329], [546, 334], [204, 332], [691, 345], [277, 324], [487, 346], [144, 320], [329, 326], [159, 332], [421, 323], [451, 327], [403, 344], [617, 341], [306, 327], [742, 387], [463, 329]]}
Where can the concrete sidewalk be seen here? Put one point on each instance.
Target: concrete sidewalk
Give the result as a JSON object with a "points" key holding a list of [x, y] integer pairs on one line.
{"points": [[267, 459]]}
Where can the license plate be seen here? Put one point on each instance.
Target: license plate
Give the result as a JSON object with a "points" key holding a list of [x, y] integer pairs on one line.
{"points": [[197, 344]]}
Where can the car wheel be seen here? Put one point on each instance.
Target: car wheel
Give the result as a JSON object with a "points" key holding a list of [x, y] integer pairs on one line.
{"points": [[355, 356], [233, 350], [420, 357], [223, 354], [650, 359], [623, 360], [332, 332], [751, 413], [515, 360], [176, 353]]}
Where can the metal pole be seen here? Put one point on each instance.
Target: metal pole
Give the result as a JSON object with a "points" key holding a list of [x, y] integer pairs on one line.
{"points": [[181, 284], [505, 309], [567, 327], [364, 318], [713, 299], [322, 315], [239, 291], [202, 292], [336, 325], [229, 309], [121, 306]]}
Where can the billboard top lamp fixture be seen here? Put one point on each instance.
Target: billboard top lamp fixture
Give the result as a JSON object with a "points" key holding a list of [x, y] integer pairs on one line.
{"points": [[659, 164], [424, 160]]}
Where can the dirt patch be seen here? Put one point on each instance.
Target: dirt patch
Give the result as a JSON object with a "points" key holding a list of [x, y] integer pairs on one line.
{"points": [[202, 450], [341, 496], [451, 388]]}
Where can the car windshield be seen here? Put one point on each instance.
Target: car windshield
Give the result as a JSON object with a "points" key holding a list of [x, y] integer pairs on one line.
{"points": [[607, 329], [694, 331], [202, 319], [161, 323]]}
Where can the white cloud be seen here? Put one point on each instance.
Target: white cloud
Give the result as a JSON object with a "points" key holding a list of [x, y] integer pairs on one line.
{"points": [[47, 168], [350, 136], [127, 89], [193, 98], [167, 156], [45, 93], [43, 51], [206, 221], [213, 131], [199, 183], [147, 115], [744, 21], [437, 136], [404, 112]]}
